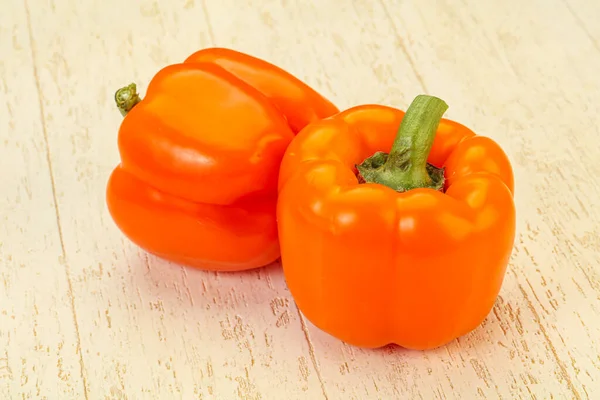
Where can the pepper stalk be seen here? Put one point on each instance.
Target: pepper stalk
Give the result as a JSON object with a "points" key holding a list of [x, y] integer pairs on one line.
{"points": [[126, 98], [405, 167]]}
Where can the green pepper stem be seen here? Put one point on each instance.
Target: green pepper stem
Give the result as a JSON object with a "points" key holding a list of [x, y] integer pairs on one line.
{"points": [[406, 167], [126, 98]]}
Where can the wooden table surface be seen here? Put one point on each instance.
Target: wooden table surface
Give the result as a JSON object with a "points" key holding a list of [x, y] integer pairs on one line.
{"points": [[84, 314]]}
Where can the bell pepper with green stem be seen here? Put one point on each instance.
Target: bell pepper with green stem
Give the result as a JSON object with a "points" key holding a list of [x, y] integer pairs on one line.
{"points": [[394, 227], [200, 156]]}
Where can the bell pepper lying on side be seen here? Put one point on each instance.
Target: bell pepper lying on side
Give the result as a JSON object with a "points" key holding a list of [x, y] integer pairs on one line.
{"points": [[200, 156], [411, 245]]}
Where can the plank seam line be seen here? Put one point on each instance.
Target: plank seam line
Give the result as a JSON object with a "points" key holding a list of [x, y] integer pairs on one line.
{"points": [[311, 352], [211, 33], [561, 365], [583, 26], [411, 62], [55, 197]]}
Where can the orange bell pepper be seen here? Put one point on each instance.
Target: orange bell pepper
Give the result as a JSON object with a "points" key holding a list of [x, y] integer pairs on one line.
{"points": [[395, 239], [200, 156]]}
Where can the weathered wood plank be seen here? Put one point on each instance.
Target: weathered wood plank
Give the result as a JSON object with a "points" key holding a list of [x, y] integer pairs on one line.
{"points": [[39, 343]]}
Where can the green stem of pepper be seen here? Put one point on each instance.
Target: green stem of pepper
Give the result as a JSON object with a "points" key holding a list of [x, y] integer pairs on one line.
{"points": [[406, 167], [126, 98]]}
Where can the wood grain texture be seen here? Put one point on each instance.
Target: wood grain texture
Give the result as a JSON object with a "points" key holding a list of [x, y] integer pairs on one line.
{"points": [[86, 315], [586, 13], [39, 344]]}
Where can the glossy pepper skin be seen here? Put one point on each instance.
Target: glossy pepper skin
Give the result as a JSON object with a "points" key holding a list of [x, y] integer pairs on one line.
{"points": [[371, 265], [200, 156]]}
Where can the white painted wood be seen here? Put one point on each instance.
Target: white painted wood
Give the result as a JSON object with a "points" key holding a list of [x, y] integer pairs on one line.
{"points": [[86, 315], [39, 344]]}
